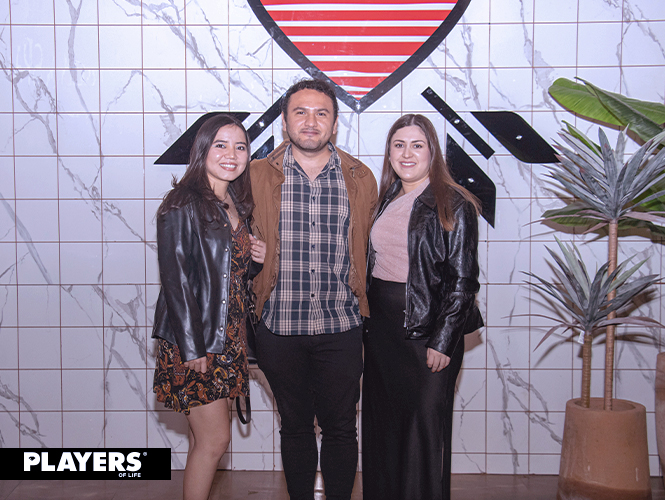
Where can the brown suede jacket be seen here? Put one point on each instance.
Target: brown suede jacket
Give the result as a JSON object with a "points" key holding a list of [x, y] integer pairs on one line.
{"points": [[267, 178]]}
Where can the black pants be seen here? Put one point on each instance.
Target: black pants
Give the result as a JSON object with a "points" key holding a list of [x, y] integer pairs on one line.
{"points": [[315, 376], [407, 410]]}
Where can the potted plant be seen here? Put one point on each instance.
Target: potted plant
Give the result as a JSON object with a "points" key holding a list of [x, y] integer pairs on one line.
{"points": [[607, 192], [588, 301], [644, 120], [591, 466]]}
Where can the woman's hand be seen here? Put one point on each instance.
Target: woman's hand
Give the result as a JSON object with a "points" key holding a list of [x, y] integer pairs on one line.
{"points": [[258, 249], [198, 365], [436, 361]]}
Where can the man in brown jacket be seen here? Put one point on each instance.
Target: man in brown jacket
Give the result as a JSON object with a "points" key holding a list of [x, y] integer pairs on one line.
{"points": [[313, 209]]}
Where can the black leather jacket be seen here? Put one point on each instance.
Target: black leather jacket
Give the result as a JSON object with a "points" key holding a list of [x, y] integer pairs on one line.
{"points": [[443, 272], [194, 267]]}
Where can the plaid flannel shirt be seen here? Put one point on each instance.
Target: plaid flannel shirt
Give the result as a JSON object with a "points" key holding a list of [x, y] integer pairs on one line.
{"points": [[312, 295]]}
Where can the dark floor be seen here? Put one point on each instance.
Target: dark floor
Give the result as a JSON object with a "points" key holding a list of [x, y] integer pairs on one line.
{"points": [[241, 485]]}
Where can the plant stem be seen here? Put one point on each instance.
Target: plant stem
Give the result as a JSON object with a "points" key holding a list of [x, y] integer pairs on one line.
{"points": [[586, 369], [613, 244]]}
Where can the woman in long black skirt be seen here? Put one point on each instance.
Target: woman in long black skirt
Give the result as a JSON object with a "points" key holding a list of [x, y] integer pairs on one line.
{"points": [[423, 275]]}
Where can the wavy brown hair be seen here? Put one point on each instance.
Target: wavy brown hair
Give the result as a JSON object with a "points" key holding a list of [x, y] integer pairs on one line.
{"points": [[194, 185], [443, 184]]}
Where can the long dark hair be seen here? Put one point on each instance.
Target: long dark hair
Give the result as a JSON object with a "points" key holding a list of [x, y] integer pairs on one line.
{"points": [[443, 184], [194, 184]]}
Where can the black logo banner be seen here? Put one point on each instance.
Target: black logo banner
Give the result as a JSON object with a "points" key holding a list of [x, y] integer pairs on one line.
{"points": [[85, 463]]}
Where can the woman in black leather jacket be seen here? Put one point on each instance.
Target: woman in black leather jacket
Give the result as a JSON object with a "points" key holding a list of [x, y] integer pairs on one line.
{"points": [[422, 282], [204, 251]]}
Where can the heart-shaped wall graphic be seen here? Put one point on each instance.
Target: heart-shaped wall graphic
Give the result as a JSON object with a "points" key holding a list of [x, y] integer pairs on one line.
{"points": [[363, 47]]}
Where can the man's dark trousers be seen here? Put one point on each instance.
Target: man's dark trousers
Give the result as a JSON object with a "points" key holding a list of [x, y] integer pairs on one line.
{"points": [[315, 375]]}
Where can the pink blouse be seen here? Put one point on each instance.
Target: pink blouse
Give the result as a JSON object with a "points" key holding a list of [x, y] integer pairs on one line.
{"points": [[389, 238]]}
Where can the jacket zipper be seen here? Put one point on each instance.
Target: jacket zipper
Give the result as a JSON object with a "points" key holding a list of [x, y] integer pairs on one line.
{"points": [[408, 271], [408, 236]]}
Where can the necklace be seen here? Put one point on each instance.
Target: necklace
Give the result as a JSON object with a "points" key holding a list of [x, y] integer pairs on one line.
{"points": [[231, 211]]}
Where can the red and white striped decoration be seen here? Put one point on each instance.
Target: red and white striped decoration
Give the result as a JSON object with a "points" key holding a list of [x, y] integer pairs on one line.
{"points": [[358, 43]]}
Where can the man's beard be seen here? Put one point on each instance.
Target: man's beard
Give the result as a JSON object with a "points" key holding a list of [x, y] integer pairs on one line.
{"points": [[309, 145]]}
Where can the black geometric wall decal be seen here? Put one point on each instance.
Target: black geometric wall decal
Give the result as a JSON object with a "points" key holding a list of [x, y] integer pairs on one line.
{"points": [[456, 121], [517, 136], [265, 149], [468, 174], [178, 152], [265, 120]]}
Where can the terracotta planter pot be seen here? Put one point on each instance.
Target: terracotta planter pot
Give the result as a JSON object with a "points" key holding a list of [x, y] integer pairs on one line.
{"points": [[604, 454], [660, 408]]}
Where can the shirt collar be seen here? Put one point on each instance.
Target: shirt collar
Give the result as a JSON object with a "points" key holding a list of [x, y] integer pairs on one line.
{"points": [[334, 162]]}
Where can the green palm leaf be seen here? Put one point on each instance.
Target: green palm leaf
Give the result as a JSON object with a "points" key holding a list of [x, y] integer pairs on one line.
{"points": [[627, 113], [644, 118]]}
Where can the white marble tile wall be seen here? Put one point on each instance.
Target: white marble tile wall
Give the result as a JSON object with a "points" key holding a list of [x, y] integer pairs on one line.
{"points": [[93, 91]]}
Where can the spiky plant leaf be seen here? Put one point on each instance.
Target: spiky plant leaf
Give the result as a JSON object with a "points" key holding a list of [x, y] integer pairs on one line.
{"points": [[550, 332], [621, 276], [585, 299], [633, 320], [577, 218], [573, 269], [587, 142], [610, 160], [649, 217], [630, 290], [604, 186]]}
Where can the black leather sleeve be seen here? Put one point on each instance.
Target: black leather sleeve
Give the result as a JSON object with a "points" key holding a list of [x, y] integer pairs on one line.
{"points": [[175, 247], [459, 289]]}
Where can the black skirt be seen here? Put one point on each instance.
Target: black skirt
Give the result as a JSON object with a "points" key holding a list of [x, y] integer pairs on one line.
{"points": [[406, 409]]}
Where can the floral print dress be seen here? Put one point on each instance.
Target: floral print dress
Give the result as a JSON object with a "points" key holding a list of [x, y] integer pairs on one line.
{"points": [[227, 374]]}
